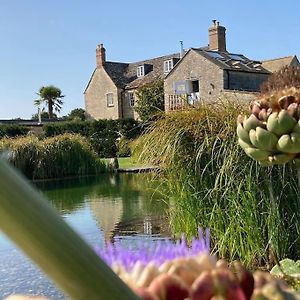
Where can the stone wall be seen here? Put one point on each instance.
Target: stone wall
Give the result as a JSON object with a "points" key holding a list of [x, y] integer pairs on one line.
{"points": [[96, 97], [128, 111], [240, 96], [195, 67]]}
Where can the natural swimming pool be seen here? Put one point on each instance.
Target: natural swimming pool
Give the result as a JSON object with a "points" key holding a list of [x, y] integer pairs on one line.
{"points": [[99, 209]]}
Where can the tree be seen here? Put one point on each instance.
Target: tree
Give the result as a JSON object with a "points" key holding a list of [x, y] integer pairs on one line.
{"points": [[77, 114], [150, 100], [52, 97]]}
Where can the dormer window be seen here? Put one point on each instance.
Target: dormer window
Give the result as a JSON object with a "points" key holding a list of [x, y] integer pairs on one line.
{"points": [[140, 71], [168, 65]]}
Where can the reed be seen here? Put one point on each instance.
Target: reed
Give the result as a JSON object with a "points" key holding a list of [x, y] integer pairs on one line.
{"points": [[55, 157], [252, 211]]}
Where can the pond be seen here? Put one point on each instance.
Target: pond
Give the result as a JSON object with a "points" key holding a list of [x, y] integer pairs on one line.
{"points": [[99, 209]]}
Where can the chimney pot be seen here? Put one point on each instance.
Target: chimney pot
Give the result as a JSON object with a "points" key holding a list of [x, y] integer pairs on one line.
{"points": [[100, 56]]}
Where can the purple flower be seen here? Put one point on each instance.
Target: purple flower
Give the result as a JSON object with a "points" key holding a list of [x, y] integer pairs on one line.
{"points": [[157, 253]]}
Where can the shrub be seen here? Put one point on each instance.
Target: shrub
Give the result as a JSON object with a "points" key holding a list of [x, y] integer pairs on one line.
{"points": [[150, 100], [13, 130], [124, 148], [102, 134]]}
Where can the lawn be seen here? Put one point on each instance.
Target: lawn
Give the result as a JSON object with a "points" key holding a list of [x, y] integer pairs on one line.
{"points": [[124, 162]]}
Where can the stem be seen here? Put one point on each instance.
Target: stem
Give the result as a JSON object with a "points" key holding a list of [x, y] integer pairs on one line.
{"points": [[28, 219]]}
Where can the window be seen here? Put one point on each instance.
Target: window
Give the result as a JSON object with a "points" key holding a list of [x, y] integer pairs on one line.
{"points": [[168, 65], [140, 71], [131, 99], [109, 99]]}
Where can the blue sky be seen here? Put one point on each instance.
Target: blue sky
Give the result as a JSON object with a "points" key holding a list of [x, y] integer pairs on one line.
{"points": [[53, 42]]}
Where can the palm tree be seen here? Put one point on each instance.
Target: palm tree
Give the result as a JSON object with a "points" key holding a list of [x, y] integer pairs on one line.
{"points": [[51, 96]]}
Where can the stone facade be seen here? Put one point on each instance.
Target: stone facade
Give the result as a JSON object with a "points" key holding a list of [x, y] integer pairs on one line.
{"points": [[194, 68], [214, 82], [96, 95]]}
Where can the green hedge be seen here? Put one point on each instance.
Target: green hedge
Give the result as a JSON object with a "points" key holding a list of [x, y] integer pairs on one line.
{"points": [[104, 135], [13, 130]]}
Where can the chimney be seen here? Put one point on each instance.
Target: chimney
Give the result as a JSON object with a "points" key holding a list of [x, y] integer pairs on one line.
{"points": [[217, 39], [100, 56]]}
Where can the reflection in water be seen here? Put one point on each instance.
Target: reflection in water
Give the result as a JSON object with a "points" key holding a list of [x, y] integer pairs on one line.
{"points": [[107, 213], [121, 204]]}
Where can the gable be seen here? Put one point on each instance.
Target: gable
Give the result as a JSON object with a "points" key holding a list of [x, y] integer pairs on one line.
{"points": [[98, 75], [274, 65], [191, 65]]}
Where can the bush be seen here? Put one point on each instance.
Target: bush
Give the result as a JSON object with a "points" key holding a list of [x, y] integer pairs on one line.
{"points": [[102, 134], [55, 157], [251, 211], [124, 148], [13, 130], [150, 100]]}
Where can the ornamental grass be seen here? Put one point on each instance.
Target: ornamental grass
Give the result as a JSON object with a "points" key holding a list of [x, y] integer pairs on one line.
{"points": [[56, 157], [253, 212]]}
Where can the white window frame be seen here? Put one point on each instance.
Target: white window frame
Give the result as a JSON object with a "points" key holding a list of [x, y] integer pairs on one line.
{"points": [[110, 99], [140, 71], [131, 99], [168, 65]]}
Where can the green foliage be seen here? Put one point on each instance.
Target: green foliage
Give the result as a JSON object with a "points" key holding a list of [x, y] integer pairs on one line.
{"points": [[210, 182], [13, 130], [124, 148], [77, 114], [44, 116], [289, 270], [150, 100], [103, 135], [52, 97], [55, 157]]}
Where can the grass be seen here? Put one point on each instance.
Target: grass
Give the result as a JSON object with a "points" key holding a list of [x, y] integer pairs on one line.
{"points": [[56, 157], [125, 162], [252, 211]]}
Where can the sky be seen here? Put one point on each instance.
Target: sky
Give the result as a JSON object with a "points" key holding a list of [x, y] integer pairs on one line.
{"points": [[53, 42]]}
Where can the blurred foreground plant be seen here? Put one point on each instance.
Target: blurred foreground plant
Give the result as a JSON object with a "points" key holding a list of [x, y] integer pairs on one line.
{"points": [[27, 218]]}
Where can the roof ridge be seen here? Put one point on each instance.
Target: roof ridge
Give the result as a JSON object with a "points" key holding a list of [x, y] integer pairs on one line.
{"points": [[287, 56]]}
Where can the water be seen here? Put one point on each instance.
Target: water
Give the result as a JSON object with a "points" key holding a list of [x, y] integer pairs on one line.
{"points": [[99, 209]]}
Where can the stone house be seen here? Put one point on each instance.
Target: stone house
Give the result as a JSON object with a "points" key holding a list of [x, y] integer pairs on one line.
{"points": [[110, 93], [212, 73], [200, 74]]}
